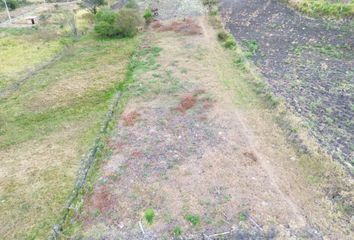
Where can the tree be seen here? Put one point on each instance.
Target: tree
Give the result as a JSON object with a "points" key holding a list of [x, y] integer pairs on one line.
{"points": [[92, 5]]}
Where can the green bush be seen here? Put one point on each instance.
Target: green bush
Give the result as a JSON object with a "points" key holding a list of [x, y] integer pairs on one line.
{"points": [[105, 21], [122, 24], [128, 21], [149, 215], [148, 15], [229, 43], [222, 36]]}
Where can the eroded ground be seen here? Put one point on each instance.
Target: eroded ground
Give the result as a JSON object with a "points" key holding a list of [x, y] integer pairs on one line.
{"points": [[308, 62], [198, 146]]}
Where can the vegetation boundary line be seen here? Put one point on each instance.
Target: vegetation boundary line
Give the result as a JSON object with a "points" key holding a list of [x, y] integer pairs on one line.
{"points": [[86, 163], [90, 159]]}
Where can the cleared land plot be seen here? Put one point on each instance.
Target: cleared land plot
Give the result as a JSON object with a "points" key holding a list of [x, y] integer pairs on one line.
{"points": [[197, 152], [308, 62], [47, 125]]}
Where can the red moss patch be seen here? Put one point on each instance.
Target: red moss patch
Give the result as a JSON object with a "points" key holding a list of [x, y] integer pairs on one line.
{"points": [[186, 26], [130, 118], [186, 103], [101, 200], [136, 154]]}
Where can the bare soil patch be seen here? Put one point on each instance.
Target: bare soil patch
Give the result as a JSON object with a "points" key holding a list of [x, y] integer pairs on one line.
{"points": [[308, 62]]}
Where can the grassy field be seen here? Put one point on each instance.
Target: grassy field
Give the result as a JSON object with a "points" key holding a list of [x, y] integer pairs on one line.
{"points": [[336, 9], [48, 124], [28, 44]]}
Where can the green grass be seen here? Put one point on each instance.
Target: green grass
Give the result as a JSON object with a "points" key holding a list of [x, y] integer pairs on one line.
{"points": [[149, 215], [335, 9], [251, 48], [177, 231], [339, 52], [27, 44], [193, 219], [47, 125]]}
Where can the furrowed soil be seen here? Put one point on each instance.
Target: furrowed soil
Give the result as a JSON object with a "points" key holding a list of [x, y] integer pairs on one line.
{"points": [[198, 146], [307, 62]]}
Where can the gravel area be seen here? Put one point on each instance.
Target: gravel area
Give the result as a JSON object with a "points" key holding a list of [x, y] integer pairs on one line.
{"points": [[308, 62]]}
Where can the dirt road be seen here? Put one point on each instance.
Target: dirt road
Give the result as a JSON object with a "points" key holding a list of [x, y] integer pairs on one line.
{"points": [[201, 149]]}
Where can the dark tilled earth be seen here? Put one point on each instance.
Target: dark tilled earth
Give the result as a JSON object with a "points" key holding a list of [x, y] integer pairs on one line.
{"points": [[308, 62]]}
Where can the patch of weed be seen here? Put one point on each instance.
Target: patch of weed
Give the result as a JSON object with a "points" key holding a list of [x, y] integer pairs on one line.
{"points": [[251, 48], [149, 215], [177, 231], [243, 216], [193, 219]]}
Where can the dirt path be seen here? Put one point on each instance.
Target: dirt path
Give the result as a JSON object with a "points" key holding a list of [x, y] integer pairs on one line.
{"points": [[197, 146], [310, 63]]}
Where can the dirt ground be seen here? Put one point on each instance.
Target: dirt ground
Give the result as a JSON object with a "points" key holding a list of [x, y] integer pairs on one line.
{"points": [[308, 62], [197, 146]]}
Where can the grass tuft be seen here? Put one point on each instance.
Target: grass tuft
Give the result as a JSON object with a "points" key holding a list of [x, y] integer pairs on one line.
{"points": [[193, 219], [149, 215]]}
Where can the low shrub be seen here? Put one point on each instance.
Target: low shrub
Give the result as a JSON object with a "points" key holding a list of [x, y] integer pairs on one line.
{"points": [[124, 23], [148, 16], [105, 21], [222, 36], [128, 21], [229, 43]]}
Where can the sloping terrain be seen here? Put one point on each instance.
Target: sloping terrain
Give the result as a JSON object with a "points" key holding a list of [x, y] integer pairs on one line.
{"points": [[47, 125], [308, 62], [198, 151]]}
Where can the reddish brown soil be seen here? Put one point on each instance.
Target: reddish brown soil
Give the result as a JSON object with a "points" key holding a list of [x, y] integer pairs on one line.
{"points": [[130, 118], [101, 200], [186, 26]]}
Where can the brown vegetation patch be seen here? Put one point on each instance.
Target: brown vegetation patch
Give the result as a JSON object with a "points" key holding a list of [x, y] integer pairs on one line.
{"points": [[186, 26], [137, 154], [251, 155], [156, 24], [130, 118], [187, 103], [189, 100], [101, 200]]}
